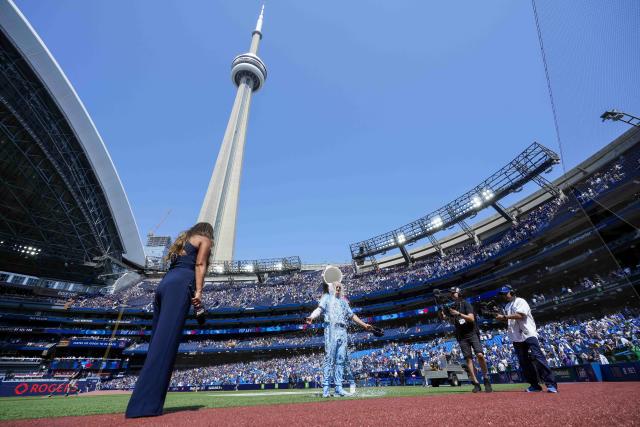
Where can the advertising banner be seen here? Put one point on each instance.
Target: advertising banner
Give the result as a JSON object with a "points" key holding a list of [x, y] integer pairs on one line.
{"points": [[627, 371], [39, 387]]}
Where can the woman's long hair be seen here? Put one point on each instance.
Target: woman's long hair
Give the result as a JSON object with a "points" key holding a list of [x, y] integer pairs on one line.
{"points": [[200, 229]]}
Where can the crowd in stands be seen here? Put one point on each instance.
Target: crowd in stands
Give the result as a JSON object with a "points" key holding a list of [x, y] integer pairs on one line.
{"points": [[18, 341], [20, 358], [314, 337], [267, 341], [306, 287], [8, 293], [580, 285], [565, 343], [601, 181]]}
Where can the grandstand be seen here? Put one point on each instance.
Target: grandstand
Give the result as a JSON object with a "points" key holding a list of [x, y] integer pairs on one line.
{"points": [[553, 254]]}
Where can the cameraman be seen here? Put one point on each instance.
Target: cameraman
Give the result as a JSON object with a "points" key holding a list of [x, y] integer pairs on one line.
{"points": [[521, 329], [460, 313]]}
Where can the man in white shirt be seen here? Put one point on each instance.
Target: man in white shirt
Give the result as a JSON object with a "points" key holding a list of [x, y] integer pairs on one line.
{"points": [[521, 329]]}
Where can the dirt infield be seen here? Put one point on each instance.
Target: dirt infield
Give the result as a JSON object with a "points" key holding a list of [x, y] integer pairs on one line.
{"points": [[591, 404]]}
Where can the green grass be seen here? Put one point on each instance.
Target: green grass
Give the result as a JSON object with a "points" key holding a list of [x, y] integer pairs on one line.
{"points": [[13, 408]]}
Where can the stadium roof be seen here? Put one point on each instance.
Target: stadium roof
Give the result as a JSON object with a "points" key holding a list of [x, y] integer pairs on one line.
{"points": [[60, 194]]}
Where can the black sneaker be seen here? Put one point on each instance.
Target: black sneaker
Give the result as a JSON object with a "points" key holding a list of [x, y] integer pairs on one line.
{"points": [[487, 386], [476, 388]]}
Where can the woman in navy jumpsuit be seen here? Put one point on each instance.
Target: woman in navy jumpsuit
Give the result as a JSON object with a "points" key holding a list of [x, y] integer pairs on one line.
{"points": [[189, 257]]}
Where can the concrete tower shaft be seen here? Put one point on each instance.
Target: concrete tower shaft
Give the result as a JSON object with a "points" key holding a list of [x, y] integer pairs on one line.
{"points": [[220, 206]]}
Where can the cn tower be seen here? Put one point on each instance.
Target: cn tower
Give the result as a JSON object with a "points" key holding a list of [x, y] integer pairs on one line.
{"points": [[220, 205]]}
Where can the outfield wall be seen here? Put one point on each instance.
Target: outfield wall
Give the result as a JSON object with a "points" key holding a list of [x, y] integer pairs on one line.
{"points": [[593, 372], [13, 388]]}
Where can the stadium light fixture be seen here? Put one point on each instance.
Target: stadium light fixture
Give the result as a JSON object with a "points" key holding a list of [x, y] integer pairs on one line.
{"points": [[279, 266], [615, 116], [612, 115], [401, 238], [436, 222], [476, 202], [248, 268], [487, 194]]}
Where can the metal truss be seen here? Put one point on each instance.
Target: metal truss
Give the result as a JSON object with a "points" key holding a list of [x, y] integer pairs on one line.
{"points": [[373, 262], [533, 161], [547, 185], [469, 231], [33, 124], [504, 212], [436, 244], [258, 267]]}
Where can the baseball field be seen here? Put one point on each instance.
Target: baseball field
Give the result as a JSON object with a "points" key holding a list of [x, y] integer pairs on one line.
{"points": [[576, 404]]}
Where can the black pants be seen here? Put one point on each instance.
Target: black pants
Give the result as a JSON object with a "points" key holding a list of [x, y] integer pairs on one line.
{"points": [[170, 308], [531, 369]]}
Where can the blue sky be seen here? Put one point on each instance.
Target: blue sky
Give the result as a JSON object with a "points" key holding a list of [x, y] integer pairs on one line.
{"points": [[374, 112]]}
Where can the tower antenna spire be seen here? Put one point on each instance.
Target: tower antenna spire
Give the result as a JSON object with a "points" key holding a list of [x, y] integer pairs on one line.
{"points": [[258, 29]]}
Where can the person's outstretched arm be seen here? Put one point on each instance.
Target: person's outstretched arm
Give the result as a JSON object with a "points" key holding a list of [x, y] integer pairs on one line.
{"points": [[360, 323], [314, 315]]}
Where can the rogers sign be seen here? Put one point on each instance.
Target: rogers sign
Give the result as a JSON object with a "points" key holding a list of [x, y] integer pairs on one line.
{"points": [[35, 388]]}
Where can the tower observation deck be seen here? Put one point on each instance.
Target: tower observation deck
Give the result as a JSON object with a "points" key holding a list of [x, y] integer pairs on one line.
{"points": [[220, 205]]}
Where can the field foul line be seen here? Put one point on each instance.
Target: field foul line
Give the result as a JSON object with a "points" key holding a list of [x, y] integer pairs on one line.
{"points": [[264, 393], [318, 392]]}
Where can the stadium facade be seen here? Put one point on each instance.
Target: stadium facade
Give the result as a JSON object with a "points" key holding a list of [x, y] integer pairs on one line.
{"points": [[220, 206], [63, 209], [572, 256]]}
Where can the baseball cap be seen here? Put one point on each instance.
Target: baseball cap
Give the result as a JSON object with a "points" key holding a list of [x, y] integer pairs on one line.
{"points": [[505, 289]]}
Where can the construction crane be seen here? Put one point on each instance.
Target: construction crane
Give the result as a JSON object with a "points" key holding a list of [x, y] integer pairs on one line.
{"points": [[154, 229]]}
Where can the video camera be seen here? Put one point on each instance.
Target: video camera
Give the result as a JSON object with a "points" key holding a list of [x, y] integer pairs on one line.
{"points": [[443, 300], [490, 308]]}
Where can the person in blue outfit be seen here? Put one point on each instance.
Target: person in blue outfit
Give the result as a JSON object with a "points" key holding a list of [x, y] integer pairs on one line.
{"points": [[337, 314], [180, 288]]}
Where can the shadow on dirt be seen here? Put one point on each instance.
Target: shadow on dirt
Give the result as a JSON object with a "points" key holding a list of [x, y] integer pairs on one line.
{"points": [[173, 409]]}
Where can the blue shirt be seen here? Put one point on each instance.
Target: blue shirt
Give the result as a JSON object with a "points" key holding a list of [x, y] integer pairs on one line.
{"points": [[335, 310]]}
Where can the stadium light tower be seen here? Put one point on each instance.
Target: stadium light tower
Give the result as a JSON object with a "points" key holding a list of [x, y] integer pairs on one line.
{"points": [[616, 116], [220, 206]]}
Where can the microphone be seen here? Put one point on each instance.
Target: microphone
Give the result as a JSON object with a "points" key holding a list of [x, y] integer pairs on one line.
{"points": [[200, 314], [199, 310]]}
